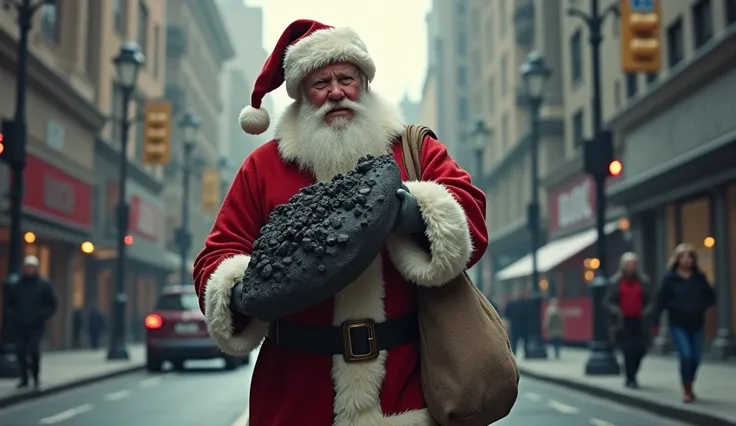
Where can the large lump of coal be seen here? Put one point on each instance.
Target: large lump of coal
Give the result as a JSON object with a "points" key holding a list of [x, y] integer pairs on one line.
{"points": [[322, 239]]}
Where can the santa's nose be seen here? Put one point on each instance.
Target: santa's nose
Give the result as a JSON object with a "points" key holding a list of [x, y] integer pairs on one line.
{"points": [[336, 94]]}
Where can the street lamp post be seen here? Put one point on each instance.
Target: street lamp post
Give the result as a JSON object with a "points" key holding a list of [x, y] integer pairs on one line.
{"points": [[479, 136], [128, 64], [601, 360], [535, 74], [190, 126], [25, 9]]}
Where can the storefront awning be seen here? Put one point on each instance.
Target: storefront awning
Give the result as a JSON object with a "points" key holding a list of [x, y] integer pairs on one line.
{"points": [[553, 254]]}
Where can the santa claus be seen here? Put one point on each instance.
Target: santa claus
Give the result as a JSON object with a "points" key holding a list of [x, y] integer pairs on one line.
{"points": [[352, 360]]}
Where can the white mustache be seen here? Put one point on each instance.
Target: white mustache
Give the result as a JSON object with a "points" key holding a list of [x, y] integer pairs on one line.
{"points": [[329, 106]]}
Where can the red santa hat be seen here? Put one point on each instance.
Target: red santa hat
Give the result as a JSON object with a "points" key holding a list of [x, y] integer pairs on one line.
{"points": [[303, 47]]}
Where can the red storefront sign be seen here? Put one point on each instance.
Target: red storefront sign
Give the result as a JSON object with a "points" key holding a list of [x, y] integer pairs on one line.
{"points": [[577, 315], [571, 204], [145, 219], [55, 194]]}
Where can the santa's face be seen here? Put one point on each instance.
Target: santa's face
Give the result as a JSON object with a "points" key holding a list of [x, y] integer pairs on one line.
{"points": [[331, 90]]}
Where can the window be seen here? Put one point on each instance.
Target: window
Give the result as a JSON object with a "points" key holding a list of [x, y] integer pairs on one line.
{"points": [[476, 67], [576, 57], [675, 43], [488, 39], [50, 22], [460, 7], [502, 16], [652, 77], [504, 75], [143, 26], [156, 50], [617, 94], [702, 22], [491, 96], [632, 85], [119, 16], [462, 77], [578, 128], [730, 7], [462, 109], [178, 302], [462, 44], [504, 132]]}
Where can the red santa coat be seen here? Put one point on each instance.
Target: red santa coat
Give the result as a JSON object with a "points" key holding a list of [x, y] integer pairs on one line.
{"points": [[293, 388]]}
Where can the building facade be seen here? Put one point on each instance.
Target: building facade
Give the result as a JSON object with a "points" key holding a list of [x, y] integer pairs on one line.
{"points": [[677, 141], [111, 23], [197, 46], [502, 35], [63, 122]]}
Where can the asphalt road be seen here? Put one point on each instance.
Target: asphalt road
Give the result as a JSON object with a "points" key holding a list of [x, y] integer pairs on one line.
{"points": [[203, 395], [543, 404], [207, 395]]}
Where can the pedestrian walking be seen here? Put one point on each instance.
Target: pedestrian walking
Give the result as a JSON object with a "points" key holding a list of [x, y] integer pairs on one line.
{"points": [[686, 295], [31, 302], [95, 327], [554, 325], [77, 327], [629, 300], [516, 315]]}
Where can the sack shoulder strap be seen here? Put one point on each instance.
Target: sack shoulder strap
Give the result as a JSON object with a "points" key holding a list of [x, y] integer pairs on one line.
{"points": [[411, 143]]}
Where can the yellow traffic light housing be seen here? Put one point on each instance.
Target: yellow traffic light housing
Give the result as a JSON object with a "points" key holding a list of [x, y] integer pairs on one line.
{"points": [[210, 190], [640, 36], [156, 133]]}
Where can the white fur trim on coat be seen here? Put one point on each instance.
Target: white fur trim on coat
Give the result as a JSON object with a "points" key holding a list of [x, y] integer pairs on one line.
{"points": [[358, 385], [254, 121], [217, 309], [448, 233], [321, 48]]}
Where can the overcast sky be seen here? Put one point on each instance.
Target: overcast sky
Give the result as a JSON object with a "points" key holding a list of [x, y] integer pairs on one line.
{"points": [[394, 30]]}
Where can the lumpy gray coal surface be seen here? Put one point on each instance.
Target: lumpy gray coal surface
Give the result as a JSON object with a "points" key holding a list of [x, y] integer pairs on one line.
{"points": [[322, 239]]}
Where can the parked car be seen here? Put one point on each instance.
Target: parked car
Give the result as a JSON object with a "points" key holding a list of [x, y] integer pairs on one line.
{"points": [[176, 332]]}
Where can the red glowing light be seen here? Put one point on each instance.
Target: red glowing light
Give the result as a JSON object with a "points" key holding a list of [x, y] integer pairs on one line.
{"points": [[128, 240], [615, 168]]}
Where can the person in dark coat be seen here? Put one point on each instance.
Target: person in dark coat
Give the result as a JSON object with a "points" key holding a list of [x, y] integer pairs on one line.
{"points": [[516, 318], [629, 301], [31, 302], [95, 327], [686, 295]]}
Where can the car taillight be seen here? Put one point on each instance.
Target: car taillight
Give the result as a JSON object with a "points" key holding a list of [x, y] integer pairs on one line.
{"points": [[154, 321]]}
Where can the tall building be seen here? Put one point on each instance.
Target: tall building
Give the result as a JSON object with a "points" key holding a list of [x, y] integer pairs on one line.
{"points": [[411, 110], [197, 48], [74, 116], [675, 136], [502, 34], [245, 25]]}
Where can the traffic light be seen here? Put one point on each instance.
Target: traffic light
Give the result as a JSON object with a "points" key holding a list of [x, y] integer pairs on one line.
{"points": [[598, 157], [210, 190], [640, 35], [156, 133], [6, 154]]}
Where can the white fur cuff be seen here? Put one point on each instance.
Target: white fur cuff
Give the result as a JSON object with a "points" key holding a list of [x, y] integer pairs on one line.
{"points": [[217, 309], [448, 233]]}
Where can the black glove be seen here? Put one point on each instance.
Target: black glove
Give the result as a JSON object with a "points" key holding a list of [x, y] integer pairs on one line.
{"points": [[409, 220], [236, 298]]}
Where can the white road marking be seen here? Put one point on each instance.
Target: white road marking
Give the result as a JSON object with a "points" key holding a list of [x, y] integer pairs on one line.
{"points": [[65, 415], [599, 422], [117, 396], [243, 419], [562, 408], [532, 396], [147, 383]]}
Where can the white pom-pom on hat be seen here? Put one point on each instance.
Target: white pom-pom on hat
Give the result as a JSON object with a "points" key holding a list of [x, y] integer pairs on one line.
{"points": [[254, 121]]}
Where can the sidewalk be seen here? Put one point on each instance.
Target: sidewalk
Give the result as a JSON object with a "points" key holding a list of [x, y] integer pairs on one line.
{"points": [[67, 369], [659, 391]]}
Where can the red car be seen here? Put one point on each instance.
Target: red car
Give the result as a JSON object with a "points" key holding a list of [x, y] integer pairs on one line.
{"points": [[176, 332]]}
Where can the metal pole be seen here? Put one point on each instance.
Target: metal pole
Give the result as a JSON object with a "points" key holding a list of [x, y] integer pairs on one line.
{"points": [[184, 240], [8, 362], [118, 350], [534, 348], [602, 360]]}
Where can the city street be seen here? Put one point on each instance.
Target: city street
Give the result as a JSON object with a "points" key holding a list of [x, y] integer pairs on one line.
{"points": [[205, 395], [542, 404]]}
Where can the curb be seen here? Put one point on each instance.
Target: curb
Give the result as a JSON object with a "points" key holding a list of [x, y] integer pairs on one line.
{"points": [[664, 410], [31, 395]]}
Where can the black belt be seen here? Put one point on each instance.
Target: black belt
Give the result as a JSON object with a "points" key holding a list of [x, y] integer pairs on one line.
{"points": [[356, 341]]}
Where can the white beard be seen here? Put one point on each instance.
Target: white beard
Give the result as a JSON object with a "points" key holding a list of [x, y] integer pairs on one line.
{"points": [[327, 150]]}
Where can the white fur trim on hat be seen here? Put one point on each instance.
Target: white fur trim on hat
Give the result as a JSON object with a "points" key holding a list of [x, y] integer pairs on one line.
{"points": [[321, 48], [254, 121]]}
